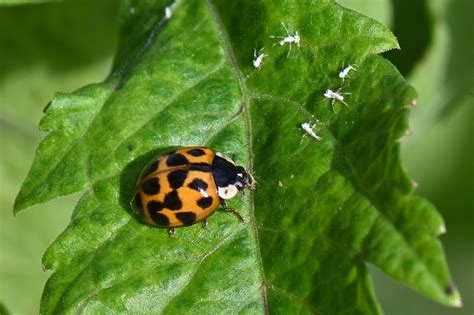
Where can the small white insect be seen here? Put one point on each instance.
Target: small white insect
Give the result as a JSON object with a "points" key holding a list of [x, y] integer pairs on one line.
{"points": [[289, 38], [309, 130], [257, 61], [280, 183], [336, 96], [345, 72]]}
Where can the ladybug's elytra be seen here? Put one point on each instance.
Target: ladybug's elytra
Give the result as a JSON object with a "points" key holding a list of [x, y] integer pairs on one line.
{"points": [[187, 186]]}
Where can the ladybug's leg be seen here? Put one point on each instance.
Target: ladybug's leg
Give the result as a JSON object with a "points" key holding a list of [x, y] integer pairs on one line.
{"points": [[231, 210], [171, 232], [204, 223]]}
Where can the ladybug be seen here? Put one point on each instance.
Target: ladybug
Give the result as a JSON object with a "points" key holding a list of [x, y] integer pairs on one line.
{"points": [[187, 186]]}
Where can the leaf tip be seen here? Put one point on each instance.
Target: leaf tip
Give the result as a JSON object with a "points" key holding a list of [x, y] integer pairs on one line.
{"points": [[16, 207], [458, 302], [19, 204], [454, 295]]}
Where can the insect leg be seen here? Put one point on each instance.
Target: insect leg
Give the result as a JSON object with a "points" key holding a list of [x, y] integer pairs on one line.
{"points": [[231, 210], [332, 105], [171, 232], [204, 224]]}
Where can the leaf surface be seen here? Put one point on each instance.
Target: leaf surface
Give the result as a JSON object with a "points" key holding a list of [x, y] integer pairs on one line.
{"points": [[321, 210]]}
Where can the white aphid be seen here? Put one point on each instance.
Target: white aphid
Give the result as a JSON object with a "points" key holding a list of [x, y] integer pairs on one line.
{"points": [[335, 96], [289, 38], [168, 12], [257, 61], [309, 130], [345, 72]]}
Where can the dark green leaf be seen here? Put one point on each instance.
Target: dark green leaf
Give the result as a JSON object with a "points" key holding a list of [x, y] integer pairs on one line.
{"points": [[321, 210]]}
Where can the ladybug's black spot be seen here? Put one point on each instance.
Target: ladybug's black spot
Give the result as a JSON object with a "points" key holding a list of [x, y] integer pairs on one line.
{"points": [[160, 219], [196, 152], [172, 201], [176, 159], [151, 186], [188, 218], [176, 179], [138, 202], [154, 206], [205, 202], [198, 184]]}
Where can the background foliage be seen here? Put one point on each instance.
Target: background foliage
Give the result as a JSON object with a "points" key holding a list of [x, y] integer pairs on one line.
{"points": [[49, 52]]}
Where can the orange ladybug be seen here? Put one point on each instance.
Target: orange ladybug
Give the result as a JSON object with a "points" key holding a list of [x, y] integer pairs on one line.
{"points": [[187, 186]]}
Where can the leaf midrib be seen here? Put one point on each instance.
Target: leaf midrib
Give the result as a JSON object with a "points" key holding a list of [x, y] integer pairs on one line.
{"points": [[248, 129]]}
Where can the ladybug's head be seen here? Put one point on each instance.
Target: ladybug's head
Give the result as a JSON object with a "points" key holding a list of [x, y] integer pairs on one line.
{"points": [[229, 178], [244, 179]]}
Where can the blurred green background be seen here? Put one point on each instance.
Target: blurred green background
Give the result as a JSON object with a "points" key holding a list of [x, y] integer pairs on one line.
{"points": [[56, 46]]}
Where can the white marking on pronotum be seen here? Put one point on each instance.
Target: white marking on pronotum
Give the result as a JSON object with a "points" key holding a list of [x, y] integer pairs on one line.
{"points": [[335, 96], [257, 60], [227, 192], [289, 38], [345, 72], [225, 157], [309, 130]]}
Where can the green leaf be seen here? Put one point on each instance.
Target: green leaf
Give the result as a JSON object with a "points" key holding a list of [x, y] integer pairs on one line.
{"points": [[17, 2], [448, 63], [38, 58], [322, 209]]}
